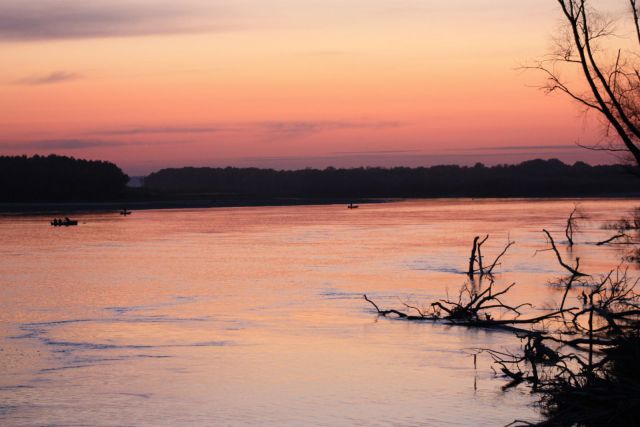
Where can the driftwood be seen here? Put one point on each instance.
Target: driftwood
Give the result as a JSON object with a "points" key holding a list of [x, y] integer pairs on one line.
{"points": [[497, 260], [480, 243], [596, 383], [611, 239], [472, 258], [474, 309], [585, 366], [477, 258], [568, 231], [575, 272], [400, 314]]}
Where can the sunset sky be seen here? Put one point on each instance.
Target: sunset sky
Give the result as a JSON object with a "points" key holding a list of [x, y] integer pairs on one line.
{"points": [[282, 83]]}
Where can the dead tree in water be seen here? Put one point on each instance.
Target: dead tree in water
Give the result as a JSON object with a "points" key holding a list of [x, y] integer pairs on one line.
{"points": [[474, 309], [611, 239], [597, 381], [476, 258], [497, 260], [585, 365], [472, 258], [572, 224], [480, 243], [575, 273]]}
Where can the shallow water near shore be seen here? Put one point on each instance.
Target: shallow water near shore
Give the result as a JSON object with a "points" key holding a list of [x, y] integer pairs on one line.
{"points": [[255, 316]]}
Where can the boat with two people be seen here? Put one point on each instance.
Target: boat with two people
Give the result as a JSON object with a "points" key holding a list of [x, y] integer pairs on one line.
{"points": [[66, 222]]}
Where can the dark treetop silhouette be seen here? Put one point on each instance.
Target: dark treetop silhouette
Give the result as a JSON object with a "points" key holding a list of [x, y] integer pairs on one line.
{"points": [[535, 178], [58, 178], [65, 179], [592, 44]]}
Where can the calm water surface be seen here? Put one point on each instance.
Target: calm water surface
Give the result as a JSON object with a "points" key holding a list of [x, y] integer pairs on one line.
{"points": [[254, 316]]}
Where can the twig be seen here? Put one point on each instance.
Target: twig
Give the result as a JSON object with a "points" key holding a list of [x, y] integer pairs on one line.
{"points": [[611, 239]]}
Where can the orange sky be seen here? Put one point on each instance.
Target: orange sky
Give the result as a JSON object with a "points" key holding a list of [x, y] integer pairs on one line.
{"points": [[284, 83]]}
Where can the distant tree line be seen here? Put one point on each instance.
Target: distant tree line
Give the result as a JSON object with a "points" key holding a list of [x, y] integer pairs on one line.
{"points": [[535, 178], [58, 178]]}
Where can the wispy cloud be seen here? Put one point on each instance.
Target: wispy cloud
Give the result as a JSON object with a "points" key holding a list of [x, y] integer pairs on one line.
{"points": [[58, 144], [296, 128], [153, 130], [525, 147], [72, 144], [375, 153], [22, 20], [272, 128], [48, 79]]}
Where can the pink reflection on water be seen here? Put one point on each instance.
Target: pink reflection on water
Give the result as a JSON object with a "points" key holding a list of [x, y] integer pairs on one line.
{"points": [[254, 316]]}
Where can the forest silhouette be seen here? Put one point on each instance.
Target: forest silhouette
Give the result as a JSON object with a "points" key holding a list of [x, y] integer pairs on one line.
{"points": [[66, 179], [534, 178], [58, 178]]}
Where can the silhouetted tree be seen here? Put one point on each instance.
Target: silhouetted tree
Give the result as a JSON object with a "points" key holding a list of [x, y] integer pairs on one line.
{"points": [[535, 178], [610, 65], [58, 178]]}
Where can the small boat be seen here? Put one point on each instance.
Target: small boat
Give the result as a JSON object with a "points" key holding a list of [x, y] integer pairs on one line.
{"points": [[352, 206], [125, 212], [63, 222]]}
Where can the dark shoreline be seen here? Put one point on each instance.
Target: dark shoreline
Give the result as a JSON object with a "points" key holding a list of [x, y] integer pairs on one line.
{"points": [[116, 206]]}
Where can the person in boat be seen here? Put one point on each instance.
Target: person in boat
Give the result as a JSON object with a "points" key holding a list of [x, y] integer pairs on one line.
{"points": [[66, 219]]}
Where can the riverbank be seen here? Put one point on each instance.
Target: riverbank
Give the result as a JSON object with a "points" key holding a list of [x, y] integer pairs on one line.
{"points": [[132, 205], [57, 208], [200, 202]]}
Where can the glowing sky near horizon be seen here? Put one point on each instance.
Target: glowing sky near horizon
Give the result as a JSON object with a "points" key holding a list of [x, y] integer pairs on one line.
{"points": [[282, 83]]}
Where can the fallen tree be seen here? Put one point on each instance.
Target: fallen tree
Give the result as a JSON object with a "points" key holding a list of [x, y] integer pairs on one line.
{"points": [[581, 360]]}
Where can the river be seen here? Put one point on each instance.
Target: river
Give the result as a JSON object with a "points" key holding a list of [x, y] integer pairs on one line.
{"points": [[254, 316]]}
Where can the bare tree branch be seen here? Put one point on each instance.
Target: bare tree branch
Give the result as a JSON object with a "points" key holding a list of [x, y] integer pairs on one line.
{"points": [[573, 270]]}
